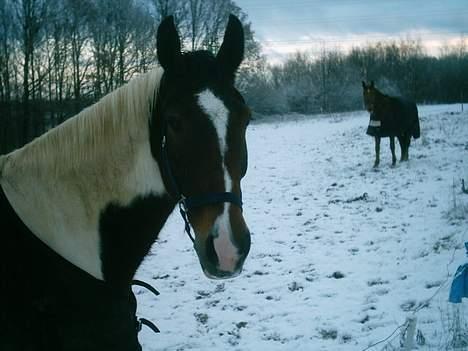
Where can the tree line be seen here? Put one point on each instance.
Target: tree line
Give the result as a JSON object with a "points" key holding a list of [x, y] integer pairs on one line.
{"points": [[58, 56], [331, 80]]}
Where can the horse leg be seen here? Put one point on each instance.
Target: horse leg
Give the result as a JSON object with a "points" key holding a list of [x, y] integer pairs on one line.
{"points": [[377, 151], [392, 148], [407, 145], [401, 141]]}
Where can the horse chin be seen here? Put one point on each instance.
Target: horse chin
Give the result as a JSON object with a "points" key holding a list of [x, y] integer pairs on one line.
{"points": [[219, 259], [212, 270], [220, 275]]}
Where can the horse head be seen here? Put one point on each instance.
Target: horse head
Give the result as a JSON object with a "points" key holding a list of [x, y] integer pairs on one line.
{"points": [[369, 94], [198, 136]]}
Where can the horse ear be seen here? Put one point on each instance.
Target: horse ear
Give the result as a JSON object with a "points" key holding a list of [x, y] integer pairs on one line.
{"points": [[168, 44], [231, 53]]}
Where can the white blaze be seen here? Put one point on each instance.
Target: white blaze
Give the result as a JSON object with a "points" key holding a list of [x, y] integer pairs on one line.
{"points": [[219, 115]]}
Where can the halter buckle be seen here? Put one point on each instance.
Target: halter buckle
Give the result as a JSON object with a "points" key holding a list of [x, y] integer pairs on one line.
{"points": [[183, 213], [182, 202]]}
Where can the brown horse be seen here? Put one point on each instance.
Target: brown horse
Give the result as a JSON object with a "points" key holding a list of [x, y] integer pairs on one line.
{"points": [[81, 205], [390, 117]]}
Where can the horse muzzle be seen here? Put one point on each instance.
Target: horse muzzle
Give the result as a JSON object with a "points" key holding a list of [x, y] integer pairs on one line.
{"points": [[222, 249], [217, 264]]}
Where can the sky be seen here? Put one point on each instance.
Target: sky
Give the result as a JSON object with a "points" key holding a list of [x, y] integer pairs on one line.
{"points": [[286, 26]]}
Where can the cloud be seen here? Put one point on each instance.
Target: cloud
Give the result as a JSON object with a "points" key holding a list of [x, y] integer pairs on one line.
{"points": [[284, 28]]}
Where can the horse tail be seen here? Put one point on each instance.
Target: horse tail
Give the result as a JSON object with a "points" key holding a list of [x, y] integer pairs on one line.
{"points": [[415, 132]]}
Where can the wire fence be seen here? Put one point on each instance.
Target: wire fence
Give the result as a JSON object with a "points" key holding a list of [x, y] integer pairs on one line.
{"points": [[403, 334]]}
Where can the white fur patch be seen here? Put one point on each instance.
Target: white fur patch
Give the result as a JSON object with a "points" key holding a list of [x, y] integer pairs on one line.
{"points": [[219, 115], [374, 123]]}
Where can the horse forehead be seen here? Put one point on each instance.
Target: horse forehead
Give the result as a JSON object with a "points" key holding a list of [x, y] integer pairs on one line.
{"points": [[212, 105], [216, 111]]}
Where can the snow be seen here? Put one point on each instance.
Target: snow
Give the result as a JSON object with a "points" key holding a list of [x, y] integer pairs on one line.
{"points": [[330, 268]]}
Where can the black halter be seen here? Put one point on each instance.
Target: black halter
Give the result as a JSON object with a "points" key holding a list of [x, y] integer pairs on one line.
{"points": [[191, 202]]}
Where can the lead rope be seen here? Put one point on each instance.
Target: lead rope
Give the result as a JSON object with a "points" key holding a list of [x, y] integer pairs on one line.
{"points": [[148, 323], [143, 321]]}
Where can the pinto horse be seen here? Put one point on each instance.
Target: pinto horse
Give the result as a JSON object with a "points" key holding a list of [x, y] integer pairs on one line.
{"points": [[390, 117], [81, 205]]}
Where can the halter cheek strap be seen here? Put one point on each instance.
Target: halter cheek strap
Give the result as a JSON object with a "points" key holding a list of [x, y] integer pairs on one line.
{"points": [[185, 204]]}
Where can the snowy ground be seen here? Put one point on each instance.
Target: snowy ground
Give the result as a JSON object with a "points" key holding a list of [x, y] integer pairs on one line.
{"points": [[328, 269]]}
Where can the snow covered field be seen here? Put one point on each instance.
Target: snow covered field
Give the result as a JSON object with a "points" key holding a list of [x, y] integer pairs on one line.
{"points": [[330, 268]]}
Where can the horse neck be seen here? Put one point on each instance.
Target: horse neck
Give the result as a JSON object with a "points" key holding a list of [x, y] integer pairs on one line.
{"points": [[88, 187], [380, 100], [379, 95]]}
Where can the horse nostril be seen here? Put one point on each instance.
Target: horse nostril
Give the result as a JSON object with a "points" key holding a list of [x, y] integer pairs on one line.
{"points": [[210, 250]]}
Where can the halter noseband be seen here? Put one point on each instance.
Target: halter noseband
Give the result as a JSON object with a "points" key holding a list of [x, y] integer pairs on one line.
{"points": [[191, 202]]}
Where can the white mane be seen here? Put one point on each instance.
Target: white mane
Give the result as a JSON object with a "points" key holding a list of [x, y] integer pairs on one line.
{"points": [[123, 113], [2, 162], [60, 183]]}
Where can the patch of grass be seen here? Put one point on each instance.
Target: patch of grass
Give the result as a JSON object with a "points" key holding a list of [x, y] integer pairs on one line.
{"points": [[201, 318], [456, 328], [445, 243], [294, 286], [377, 281], [337, 275], [345, 338], [328, 333], [434, 284], [408, 305]]}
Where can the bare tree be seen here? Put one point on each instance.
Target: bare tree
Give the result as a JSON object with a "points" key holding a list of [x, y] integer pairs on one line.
{"points": [[7, 36], [197, 16], [30, 15], [77, 31]]}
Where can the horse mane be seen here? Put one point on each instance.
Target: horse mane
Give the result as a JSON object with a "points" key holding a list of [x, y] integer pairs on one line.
{"points": [[382, 99], [122, 114], [379, 93], [2, 162]]}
